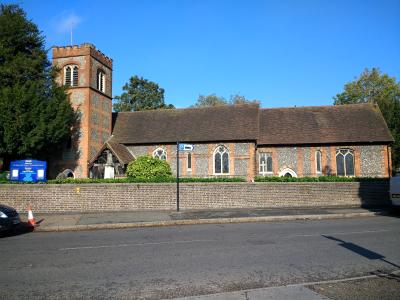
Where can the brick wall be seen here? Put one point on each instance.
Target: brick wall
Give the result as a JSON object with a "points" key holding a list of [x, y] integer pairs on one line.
{"points": [[117, 197]]}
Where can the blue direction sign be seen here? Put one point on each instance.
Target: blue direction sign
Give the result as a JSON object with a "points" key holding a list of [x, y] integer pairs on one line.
{"points": [[186, 147], [28, 170]]}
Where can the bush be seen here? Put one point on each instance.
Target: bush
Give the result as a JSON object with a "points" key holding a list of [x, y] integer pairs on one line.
{"points": [[317, 179], [146, 167], [3, 176]]}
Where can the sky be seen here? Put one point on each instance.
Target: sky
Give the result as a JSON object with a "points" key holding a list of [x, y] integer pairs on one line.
{"points": [[282, 53]]}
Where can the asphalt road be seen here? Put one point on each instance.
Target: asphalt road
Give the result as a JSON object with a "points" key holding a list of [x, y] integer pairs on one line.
{"points": [[168, 262]]}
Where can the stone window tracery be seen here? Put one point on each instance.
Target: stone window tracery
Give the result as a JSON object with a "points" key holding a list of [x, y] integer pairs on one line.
{"points": [[160, 154], [345, 162], [221, 161]]}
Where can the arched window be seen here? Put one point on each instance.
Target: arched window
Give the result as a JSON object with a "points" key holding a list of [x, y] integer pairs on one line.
{"points": [[189, 161], [75, 76], [160, 154], [345, 162], [71, 75], [221, 160], [101, 81], [318, 163], [265, 163]]}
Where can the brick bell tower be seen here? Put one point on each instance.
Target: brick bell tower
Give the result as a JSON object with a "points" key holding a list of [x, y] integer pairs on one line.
{"points": [[87, 74]]}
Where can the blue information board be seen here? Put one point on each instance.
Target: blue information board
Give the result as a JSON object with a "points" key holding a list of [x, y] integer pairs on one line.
{"points": [[28, 170]]}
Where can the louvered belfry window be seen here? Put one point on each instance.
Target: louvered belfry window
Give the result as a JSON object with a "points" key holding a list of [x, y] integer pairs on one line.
{"points": [[67, 76], [71, 75], [75, 76]]}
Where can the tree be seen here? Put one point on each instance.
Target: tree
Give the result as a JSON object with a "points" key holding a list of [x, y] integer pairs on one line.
{"points": [[239, 99], [374, 87], [214, 100], [141, 94], [210, 100], [35, 114]]}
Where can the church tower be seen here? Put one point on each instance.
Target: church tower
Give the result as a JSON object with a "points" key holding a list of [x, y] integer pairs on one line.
{"points": [[87, 74]]}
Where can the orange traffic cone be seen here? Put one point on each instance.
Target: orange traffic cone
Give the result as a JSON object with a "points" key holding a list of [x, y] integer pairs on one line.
{"points": [[31, 219]]}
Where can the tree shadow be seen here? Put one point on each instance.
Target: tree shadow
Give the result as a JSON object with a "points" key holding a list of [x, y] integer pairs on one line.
{"points": [[374, 196], [371, 255]]}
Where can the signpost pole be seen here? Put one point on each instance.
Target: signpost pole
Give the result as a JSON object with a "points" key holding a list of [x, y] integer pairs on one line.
{"points": [[177, 176]]}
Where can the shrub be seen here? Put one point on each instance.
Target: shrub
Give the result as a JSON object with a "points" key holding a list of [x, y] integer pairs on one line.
{"points": [[146, 167], [316, 179]]}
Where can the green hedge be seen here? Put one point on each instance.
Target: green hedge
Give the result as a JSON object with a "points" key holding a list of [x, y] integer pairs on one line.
{"points": [[147, 180], [317, 179]]}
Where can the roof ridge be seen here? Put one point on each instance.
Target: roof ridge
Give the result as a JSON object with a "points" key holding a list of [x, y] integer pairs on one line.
{"points": [[191, 108], [318, 106]]}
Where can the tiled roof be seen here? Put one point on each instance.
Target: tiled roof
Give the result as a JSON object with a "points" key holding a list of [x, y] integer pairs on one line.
{"points": [[222, 123], [356, 123], [121, 152]]}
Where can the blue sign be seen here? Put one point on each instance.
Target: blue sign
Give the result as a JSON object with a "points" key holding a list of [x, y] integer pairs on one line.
{"points": [[28, 170], [186, 147]]}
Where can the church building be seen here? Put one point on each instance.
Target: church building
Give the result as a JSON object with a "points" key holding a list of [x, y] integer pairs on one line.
{"points": [[238, 140]]}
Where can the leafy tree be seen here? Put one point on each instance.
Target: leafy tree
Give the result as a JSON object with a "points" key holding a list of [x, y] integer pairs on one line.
{"points": [[141, 94], [374, 87], [239, 99], [147, 167], [35, 114], [210, 100], [214, 100]]}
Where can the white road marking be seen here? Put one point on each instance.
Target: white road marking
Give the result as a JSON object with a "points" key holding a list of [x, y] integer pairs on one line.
{"points": [[200, 241], [137, 244], [339, 233]]}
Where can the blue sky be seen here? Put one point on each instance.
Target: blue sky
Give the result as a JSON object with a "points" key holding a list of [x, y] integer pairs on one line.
{"points": [[283, 53]]}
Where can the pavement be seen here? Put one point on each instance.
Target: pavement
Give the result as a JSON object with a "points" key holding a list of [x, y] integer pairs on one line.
{"points": [[135, 219]]}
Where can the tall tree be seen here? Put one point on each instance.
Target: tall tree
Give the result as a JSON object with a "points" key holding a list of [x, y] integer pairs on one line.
{"points": [[214, 100], [374, 87], [35, 114], [141, 94]]}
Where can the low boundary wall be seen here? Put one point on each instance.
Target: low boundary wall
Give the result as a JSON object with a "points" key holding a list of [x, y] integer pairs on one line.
{"points": [[46, 198]]}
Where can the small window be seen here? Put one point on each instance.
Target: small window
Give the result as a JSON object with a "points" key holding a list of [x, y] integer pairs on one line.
{"points": [[160, 154], [221, 160], [345, 162], [71, 75], [265, 163], [67, 76], [75, 76], [101, 81], [189, 161], [318, 164]]}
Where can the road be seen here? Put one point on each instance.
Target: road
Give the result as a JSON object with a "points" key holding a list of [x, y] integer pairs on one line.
{"points": [[168, 262]]}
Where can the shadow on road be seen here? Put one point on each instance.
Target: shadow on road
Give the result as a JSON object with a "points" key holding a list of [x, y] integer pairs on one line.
{"points": [[22, 228], [365, 253]]}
